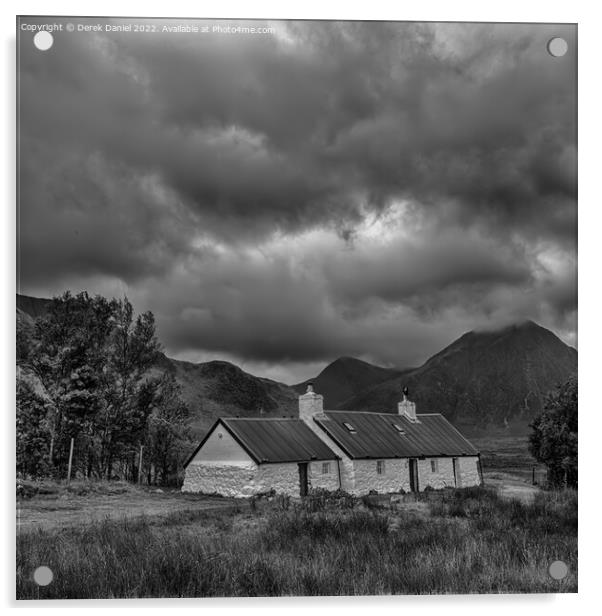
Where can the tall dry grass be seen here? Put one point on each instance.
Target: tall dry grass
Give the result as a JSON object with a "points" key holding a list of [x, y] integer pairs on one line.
{"points": [[472, 542]]}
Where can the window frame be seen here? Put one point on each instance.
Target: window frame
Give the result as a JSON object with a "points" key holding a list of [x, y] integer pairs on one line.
{"points": [[399, 428], [381, 469], [325, 468]]}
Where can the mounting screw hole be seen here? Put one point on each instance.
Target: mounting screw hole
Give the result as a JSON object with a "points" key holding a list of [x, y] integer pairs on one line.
{"points": [[43, 40], [43, 576], [557, 47], [558, 570]]}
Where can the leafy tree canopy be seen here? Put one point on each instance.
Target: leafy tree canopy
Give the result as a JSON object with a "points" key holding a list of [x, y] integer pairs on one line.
{"points": [[97, 363], [553, 440]]}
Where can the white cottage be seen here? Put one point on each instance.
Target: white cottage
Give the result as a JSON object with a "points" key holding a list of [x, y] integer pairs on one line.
{"points": [[242, 457], [358, 452]]}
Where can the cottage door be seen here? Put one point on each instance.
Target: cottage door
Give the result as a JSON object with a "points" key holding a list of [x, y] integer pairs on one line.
{"points": [[413, 474], [303, 478]]}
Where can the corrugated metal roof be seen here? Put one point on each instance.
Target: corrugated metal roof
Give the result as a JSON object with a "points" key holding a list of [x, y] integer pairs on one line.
{"points": [[278, 440], [375, 435]]}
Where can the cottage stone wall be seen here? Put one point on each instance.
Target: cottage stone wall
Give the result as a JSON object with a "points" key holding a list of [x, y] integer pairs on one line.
{"points": [[396, 476], [328, 481], [240, 480], [226, 479], [221, 466], [347, 468], [284, 478], [442, 477], [469, 471]]}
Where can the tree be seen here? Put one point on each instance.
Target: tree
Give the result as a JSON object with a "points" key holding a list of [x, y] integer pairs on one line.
{"points": [[553, 440], [33, 441], [128, 390], [68, 355], [166, 430], [95, 360]]}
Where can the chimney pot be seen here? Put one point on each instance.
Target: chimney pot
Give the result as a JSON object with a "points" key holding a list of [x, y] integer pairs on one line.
{"points": [[407, 407], [310, 404]]}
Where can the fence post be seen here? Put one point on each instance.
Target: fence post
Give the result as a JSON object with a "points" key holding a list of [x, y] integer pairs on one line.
{"points": [[140, 465], [51, 449], [70, 460]]}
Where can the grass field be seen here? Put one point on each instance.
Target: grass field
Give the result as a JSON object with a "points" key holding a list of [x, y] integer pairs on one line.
{"points": [[48, 505], [508, 454], [117, 540], [461, 541]]}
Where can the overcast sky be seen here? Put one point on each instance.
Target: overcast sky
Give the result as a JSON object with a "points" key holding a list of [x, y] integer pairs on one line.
{"points": [[280, 200]]}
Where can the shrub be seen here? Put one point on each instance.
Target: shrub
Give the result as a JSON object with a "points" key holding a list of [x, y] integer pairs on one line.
{"points": [[319, 499], [283, 501]]}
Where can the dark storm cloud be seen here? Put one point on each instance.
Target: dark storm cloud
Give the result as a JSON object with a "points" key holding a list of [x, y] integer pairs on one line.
{"points": [[95, 218], [404, 269], [203, 164], [270, 134]]}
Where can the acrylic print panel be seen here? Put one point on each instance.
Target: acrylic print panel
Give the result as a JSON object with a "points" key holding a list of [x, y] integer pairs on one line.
{"points": [[296, 308]]}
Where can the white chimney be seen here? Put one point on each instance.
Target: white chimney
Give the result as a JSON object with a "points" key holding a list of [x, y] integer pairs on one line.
{"points": [[310, 404], [407, 408]]}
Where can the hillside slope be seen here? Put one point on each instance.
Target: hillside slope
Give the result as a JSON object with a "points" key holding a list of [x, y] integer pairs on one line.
{"points": [[346, 377], [483, 382], [219, 389], [32, 306], [211, 389]]}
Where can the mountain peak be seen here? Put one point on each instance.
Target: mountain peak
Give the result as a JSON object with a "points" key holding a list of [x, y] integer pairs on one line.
{"points": [[345, 377], [485, 378]]}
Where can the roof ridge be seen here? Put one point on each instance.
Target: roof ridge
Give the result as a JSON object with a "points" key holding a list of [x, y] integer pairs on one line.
{"points": [[363, 412], [383, 413], [261, 418]]}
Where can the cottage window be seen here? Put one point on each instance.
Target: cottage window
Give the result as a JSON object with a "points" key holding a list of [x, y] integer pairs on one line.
{"points": [[434, 466], [380, 467], [325, 468]]}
